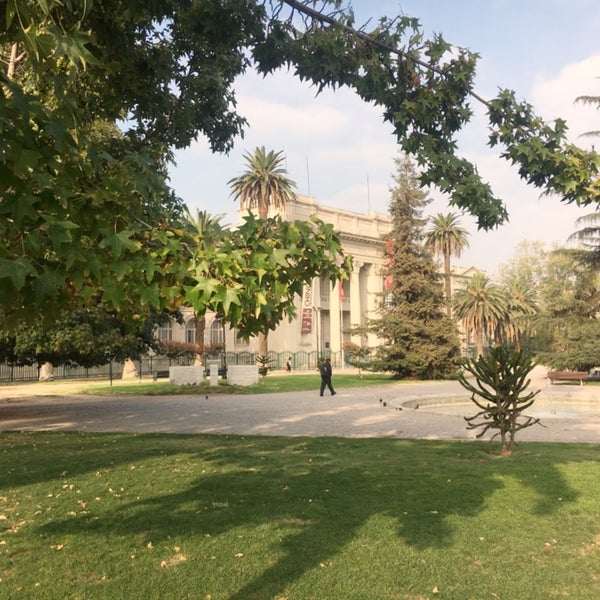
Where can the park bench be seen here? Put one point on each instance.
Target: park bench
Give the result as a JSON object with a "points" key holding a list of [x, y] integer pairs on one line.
{"points": [[160, 374], [580, 376]]}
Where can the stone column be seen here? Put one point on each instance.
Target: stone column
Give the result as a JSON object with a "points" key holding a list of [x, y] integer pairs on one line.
{"points": [[355, 303], [334, 319], [374, 287]]}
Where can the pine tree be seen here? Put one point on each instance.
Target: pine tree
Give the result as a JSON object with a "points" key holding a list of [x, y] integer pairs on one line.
{"points": [[420, 339]]}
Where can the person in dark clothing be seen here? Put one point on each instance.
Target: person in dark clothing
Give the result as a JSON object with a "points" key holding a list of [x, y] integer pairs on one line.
{"points": [[325, 370]]}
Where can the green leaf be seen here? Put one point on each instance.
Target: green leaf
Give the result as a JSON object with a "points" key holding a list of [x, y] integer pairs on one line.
{"points": [[119, 242], [17, 271]]}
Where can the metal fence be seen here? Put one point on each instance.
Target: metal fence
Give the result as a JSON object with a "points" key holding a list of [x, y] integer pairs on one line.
{"points": [[149, 365], [113, 370]]}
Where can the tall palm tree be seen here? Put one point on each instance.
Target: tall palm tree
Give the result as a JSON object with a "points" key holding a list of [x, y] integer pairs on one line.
{"points": [[264, 184], [447, 238], [522, 306], [202, 227], [482, 306]]}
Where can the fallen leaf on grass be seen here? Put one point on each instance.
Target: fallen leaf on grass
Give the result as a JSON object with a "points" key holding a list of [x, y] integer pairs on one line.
{"points": [[173, 561]]}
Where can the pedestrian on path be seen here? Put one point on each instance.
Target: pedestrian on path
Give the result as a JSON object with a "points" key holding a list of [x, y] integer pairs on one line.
{"points": [[326, 371]]}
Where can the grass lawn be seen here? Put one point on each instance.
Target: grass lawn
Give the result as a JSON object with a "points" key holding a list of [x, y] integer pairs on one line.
{"points": [[240, 518], [268, 385]]}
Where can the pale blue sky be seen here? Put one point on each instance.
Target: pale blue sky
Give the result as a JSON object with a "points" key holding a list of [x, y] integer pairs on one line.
{"points": [[339, 150]]}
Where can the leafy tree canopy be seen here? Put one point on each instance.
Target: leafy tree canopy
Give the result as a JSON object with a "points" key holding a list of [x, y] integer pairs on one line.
{"points": [[86, 214], [251, 276], [88, 337]]}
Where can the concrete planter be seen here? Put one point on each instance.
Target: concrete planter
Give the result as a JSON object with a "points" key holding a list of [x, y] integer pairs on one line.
{"points": [[193, 375], [242, 374]]}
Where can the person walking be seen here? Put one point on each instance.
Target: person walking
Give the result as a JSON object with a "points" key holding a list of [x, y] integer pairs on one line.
{"points": [[326, 371]]}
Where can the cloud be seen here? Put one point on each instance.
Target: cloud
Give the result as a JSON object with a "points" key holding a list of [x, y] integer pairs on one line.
{"points": [[554, 97]]}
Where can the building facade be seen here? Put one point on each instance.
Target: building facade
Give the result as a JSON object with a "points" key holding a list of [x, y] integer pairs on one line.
{"points": [[325, 310]]}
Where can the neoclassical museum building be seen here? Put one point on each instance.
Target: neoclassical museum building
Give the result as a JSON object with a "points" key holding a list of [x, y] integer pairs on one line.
{"points": [[325, 312]]}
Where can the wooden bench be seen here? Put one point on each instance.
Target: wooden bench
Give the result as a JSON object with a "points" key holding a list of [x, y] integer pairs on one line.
{"points": [[580, 376], [160, 374]]}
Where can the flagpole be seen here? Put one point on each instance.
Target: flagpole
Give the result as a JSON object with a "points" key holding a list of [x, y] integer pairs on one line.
{"points": [[341, 297]]}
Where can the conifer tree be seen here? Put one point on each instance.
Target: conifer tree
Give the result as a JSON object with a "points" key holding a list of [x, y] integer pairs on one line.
{"points": [[420, 339]]}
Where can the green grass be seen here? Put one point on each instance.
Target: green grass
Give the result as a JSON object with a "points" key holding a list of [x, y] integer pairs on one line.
{"points": [[240, 518], [268, 385]]}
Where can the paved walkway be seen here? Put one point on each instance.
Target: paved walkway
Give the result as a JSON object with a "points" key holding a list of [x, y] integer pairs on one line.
{"points": [[383, 411]]}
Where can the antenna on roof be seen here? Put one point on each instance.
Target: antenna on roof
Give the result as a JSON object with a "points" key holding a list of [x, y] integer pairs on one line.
{"points": [[368, 193], [307, 176]]}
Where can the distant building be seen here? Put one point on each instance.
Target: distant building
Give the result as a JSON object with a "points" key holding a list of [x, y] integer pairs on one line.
{"points": [[324, 311]]}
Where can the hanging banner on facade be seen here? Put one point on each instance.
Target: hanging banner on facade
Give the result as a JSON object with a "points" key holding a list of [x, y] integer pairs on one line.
{"points": [[307, 310]]}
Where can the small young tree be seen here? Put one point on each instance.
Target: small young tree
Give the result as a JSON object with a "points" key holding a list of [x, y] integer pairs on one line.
{"points": [[357, 356], [501, 380]]}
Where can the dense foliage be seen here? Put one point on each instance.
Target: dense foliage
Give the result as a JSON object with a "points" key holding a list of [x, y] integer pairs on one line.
{"points": [[86, 213], [568, 328], [420, 340], [85, 337]]}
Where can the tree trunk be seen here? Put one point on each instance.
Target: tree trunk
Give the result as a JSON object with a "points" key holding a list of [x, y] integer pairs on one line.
{"points": [[263, 345], [200, 329], [130, 369], [479, 335], [448, 284], [46, 372]]}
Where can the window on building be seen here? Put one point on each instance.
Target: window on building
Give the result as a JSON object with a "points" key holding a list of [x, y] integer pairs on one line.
{"points": [[190, 331], [216, 333], [165, 332]]}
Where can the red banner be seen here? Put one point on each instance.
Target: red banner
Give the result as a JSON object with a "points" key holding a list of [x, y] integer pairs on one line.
{"points": [[307, 310]]}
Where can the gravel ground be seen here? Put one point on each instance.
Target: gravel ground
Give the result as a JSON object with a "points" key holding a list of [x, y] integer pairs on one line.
{"points": [[383, 411]]}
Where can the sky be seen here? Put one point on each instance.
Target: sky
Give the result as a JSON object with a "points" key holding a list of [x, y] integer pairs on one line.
{"points": [[339, 150]]}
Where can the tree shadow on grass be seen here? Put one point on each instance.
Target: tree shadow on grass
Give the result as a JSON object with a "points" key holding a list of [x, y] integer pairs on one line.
{"points": [[319, 492]]}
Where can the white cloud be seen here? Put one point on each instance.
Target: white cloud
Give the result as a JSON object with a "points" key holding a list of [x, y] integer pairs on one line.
{"points": [[555, 97]]}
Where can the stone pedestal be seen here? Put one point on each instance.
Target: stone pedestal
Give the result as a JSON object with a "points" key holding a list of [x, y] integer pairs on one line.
{"points": [[213, 369]]}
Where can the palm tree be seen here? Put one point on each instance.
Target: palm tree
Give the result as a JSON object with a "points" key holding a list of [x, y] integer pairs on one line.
{"points": [[522, 306], [588, 238], [447, 238], [202, 227], [593, 101], [589, 235], [263, 185], [482, 306]]}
